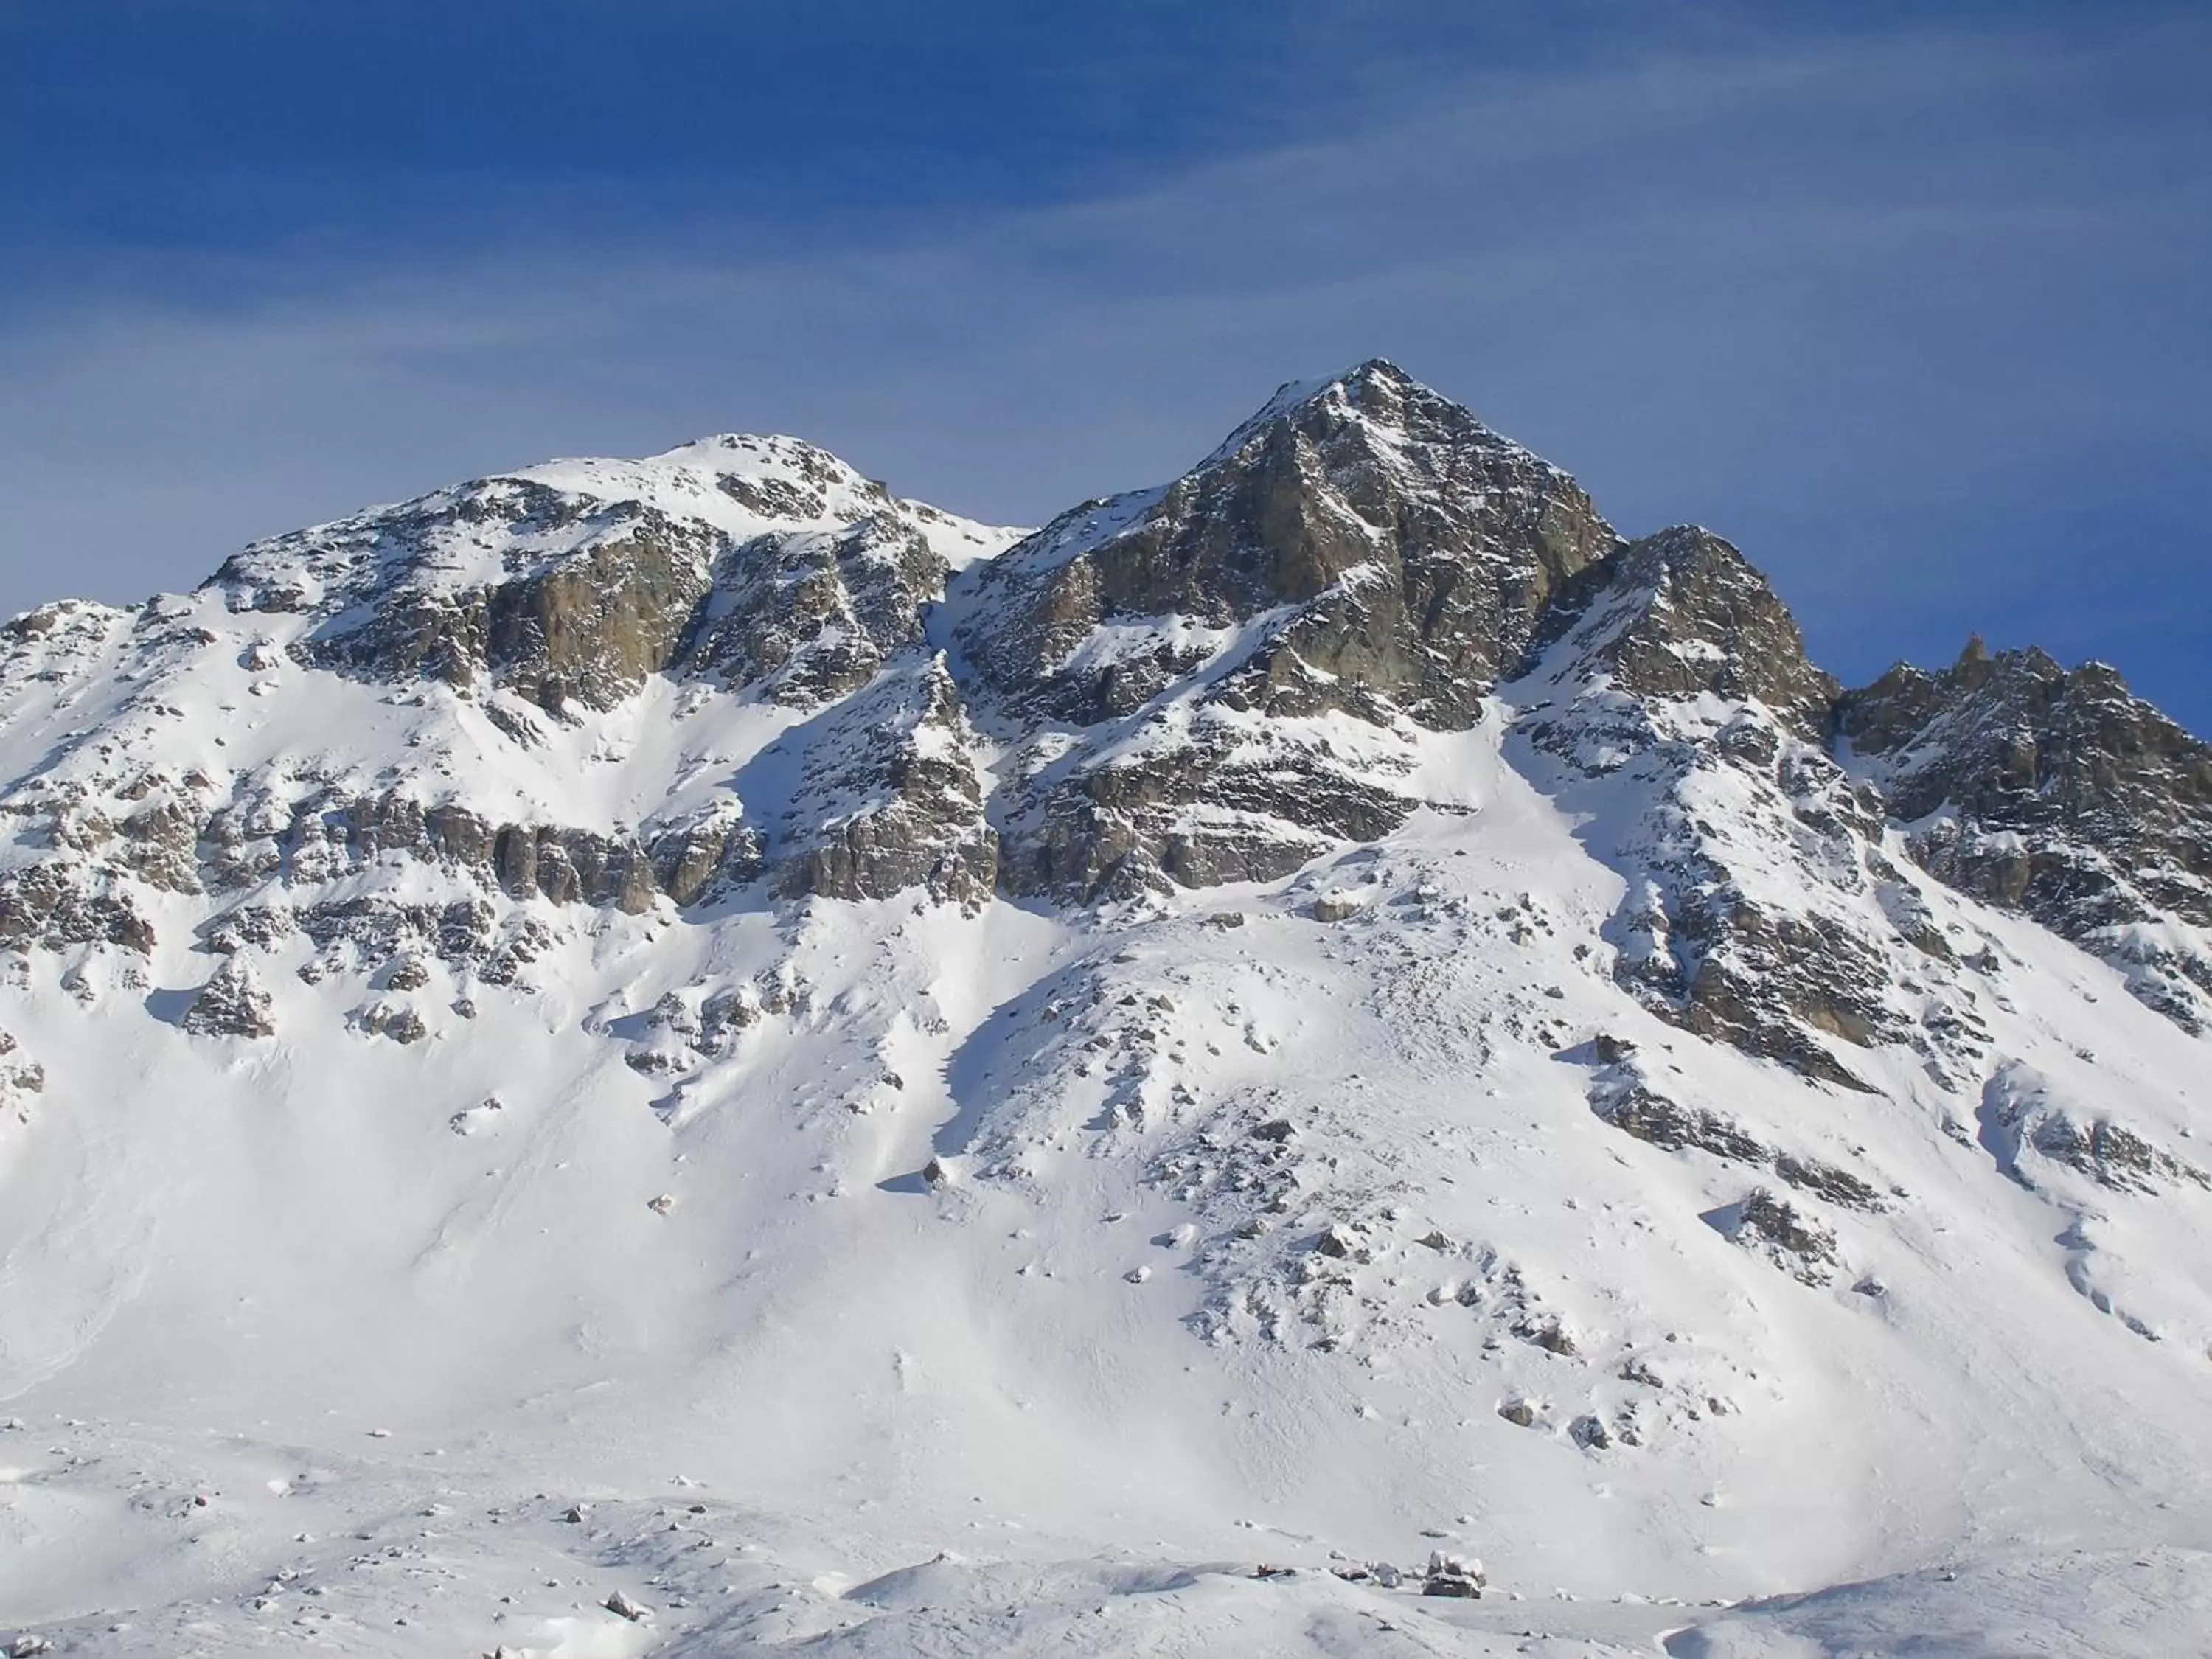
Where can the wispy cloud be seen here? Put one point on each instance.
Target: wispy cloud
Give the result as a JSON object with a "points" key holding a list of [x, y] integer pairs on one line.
{"points": [[1890, 310]]}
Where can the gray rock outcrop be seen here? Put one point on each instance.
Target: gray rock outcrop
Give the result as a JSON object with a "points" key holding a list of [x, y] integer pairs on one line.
{"points": [[893, 798], [1398, 551], [1668, 680], [233, 1003], [1364, 550], [2058, 794]]}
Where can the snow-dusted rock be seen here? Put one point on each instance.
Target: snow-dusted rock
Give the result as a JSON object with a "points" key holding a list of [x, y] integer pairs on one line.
{"points": [[893, 798], [1634, 1096], [1673, 704], [1229, 671], [2059, 794], [621, 1603], [233, 1003], [1360, 543]]}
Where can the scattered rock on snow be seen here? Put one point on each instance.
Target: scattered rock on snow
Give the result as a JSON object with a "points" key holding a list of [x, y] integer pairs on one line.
{"points": [[479, 1116], [389, 1018]]}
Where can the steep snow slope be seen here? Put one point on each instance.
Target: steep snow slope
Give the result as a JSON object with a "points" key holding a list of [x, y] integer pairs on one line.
{"points": [[527, 1083]]}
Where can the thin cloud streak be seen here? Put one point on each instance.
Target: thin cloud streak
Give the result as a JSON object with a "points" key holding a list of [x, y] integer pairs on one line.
{"points": [[1888, 315]]}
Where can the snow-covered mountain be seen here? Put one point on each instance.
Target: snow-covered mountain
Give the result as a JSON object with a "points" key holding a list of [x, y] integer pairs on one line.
{"points": [[688, 1034]]}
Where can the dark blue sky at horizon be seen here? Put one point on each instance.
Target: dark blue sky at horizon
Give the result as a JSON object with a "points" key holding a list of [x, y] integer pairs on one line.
{"points": [[1910, 306]]}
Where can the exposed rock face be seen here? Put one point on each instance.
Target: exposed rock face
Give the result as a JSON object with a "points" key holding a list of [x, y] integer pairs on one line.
{"points": [[1202, 796], [611, 605], [685, 1027], [1636, 1109], [570, 671], [1397, 550], [2059, 794], [293, 832], [390, 1016], [1232, 669], [1622, 1095], [1681, 614], [894, 798], [579, 579], [500, 618], [55, 905], [2023, 1121], [1795, 1242], [1673, 696], [592, 628], [811, 616], [233, 1002]]}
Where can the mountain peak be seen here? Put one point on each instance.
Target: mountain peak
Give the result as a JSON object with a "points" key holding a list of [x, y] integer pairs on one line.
{"points": [[756, 453], [1681, 613], [1362, 380], [1366, 496], [767, 477], [1376, 394], [636, 966]]}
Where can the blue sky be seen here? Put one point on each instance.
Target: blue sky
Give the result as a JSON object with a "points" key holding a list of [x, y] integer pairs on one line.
{"points": [[1909, 301]]}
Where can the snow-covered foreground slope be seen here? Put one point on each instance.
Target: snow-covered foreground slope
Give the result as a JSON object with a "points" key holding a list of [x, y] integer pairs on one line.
{"points": [[534, 1084]]}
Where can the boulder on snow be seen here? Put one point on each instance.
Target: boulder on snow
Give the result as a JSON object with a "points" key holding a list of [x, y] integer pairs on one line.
{"points": [[233, 1003], [1340, 1242], [1453, 1575], [389, 1018], [1337, 907]]}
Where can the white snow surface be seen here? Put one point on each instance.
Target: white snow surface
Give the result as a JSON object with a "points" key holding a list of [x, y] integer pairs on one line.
{"points": [[1023, 1281]]}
